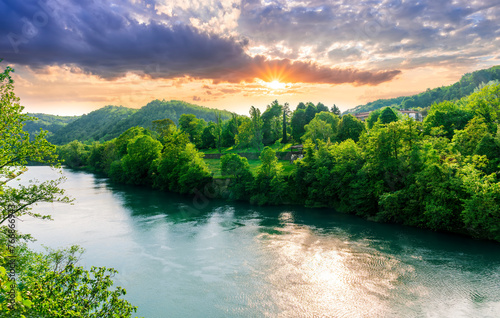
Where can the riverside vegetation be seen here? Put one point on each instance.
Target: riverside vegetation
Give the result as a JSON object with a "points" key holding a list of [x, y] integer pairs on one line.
{"points": [[34, 284], [439, 174]]}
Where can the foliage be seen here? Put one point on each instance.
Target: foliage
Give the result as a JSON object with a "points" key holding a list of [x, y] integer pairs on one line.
{"points": [[141, 152], [237, 167], [298, 123], [466, 86], [41, 285], [447, 115], [52, 285], [272, 123], [318, 129], [16, 149], [180, 167], [387, 116], [111, 121], [350, 128]]}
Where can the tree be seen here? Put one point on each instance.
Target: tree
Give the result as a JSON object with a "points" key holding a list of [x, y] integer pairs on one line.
{"points": [[447, 115], [257, 125], [218, 131], [336, 110], [192, 126], [301, 105], [318, 129], [286, 111], [208, 138], [298, 123], [163, 127], [245, 136], [350, 128], [141, 152], [310, 112], [39, 289], [387, 116], [271, 119], [16, 149], [373, 118], [320, 107]]}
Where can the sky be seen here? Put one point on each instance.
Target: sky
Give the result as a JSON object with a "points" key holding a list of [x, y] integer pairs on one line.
{"points": [[74, 56]]}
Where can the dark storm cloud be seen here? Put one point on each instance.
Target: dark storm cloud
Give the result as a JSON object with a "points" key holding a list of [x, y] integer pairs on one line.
{"points": [[110, 40]]}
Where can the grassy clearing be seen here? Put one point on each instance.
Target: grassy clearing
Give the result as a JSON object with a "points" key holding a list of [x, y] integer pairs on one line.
{"points": [[278, 147], [214, 166]]}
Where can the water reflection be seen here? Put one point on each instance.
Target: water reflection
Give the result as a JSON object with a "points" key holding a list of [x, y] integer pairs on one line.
{"points": [[179, 258]]}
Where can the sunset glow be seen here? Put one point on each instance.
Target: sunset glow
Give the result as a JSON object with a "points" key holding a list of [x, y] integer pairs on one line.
{"points": [[74, 57]]}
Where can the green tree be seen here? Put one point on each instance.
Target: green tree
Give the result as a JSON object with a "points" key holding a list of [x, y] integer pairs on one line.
{"points": [[318, 129], [447, 115], [237, 167], [286, 112], [373, 118], [16, 149], [163, 127], [387, 116], [467, 140], [320, 107], [350, 128], [40, 291], [208, 137], [310, 112], [257, 125], [335, 110], [298, 123], [246, 134], [141, 152], [272, 123], [189, 124]]}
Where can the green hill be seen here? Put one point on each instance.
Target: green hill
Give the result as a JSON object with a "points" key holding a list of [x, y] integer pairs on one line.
{"points": [[92, 126], [110, 121], [162, 109], [50, 123], [460, 89]]}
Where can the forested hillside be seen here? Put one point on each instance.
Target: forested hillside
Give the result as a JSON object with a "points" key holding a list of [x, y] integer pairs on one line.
{"points": [[157, 110], [50, 123], [110, 121], [462, 88], [92, 126]]}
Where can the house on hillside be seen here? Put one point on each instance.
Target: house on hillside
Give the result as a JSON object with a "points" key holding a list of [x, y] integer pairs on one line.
{"points": [[412, 114], [362, 116]]}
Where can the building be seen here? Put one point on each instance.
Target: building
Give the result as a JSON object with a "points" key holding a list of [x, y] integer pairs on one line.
{"points": [[412, 114], [362, 116]]}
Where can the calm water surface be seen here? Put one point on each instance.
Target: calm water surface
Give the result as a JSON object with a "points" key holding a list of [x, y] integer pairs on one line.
{"points": [[185, 257]]}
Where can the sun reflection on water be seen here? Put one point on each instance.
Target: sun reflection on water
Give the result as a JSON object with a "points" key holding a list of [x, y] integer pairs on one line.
{"points": [[324, 276]]}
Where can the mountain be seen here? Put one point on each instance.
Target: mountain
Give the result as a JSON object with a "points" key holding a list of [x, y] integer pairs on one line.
{"points": [[51, 123], [162, 109], [92, 126], [460, 89], [111, 121]]}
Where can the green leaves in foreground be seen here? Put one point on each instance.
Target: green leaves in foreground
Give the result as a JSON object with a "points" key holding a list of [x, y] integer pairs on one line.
{"points": [[52, 285]]}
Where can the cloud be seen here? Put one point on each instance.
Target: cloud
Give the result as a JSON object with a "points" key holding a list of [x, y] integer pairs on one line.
{"points": [[380, 29], [111, 41]]}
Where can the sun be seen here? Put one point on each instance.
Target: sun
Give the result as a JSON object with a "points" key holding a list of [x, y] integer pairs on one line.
{"points": [[276, 85]]}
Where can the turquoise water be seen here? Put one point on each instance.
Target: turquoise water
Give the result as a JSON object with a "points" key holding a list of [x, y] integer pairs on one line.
{"points": [[185, 256]]}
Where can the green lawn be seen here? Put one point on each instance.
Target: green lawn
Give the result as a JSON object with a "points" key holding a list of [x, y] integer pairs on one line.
{"points": [[277, 147], [214, 166]]}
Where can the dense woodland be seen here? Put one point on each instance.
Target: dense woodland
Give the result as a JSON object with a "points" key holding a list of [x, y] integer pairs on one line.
{"points": [[440, 174]]}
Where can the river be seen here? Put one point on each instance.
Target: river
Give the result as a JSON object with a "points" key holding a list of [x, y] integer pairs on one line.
{"points": [[179, 256]]}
